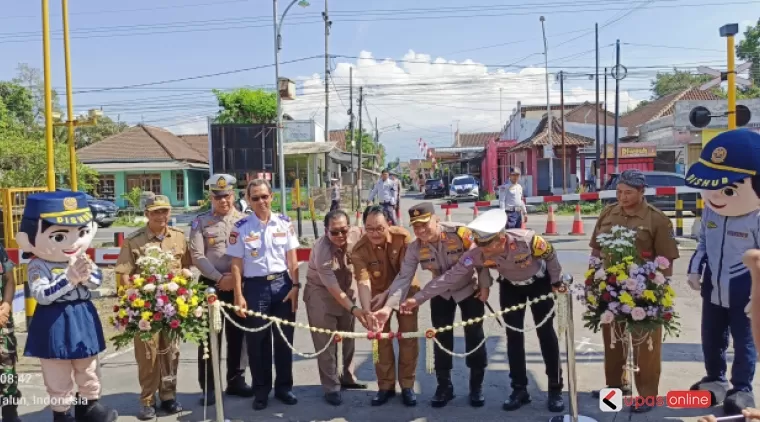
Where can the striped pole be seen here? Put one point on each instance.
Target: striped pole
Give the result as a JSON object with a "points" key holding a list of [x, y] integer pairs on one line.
{"points": [[679, 216], [29, 303]]}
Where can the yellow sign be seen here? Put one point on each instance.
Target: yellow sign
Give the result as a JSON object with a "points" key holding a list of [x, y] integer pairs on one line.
{"points": [[638, 151]]}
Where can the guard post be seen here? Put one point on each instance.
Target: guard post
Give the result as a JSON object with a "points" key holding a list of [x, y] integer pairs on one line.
{"points": [[679, 216]]}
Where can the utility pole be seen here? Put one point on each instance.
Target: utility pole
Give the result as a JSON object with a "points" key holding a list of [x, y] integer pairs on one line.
{"points": [[562, 117], [617, 102], [49, 156], [548, 110], [359, 146], [606, 110], [351, 127], [729, 31], [501, 122], [327, 75], [596, 170], [376, 159]]}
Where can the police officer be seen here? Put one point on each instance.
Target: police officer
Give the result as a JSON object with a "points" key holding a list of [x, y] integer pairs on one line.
{"points": [[335, 195], [329, 296], [152, 366], [9, 392], [655, 236], [265, 269], [386, 192], [511, 200], [208, 247], [437, 248], [377, 258], [528, 268]]}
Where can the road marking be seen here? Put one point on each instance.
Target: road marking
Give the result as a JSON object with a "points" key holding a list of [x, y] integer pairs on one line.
{"points": [[585, 346], [117, 354]]}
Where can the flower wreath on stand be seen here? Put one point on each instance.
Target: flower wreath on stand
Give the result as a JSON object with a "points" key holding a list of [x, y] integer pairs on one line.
{"points": [[161, 300], [628, 288]]}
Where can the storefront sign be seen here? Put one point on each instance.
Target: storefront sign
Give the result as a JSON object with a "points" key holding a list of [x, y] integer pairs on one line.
{"points": [[638, 151]]}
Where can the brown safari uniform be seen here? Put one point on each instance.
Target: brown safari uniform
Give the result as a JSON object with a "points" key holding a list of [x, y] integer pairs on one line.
{"points": [[152, 367], [380, 265], [330, 266], [655, 236]]}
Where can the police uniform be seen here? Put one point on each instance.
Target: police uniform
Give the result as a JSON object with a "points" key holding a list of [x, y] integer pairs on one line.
{"points": [[511, 201], [528, 268], [266, 282], [728, 160], [329, 267], [9, 392], [380, 265], [437, 257], [654, 236], [152, 366], [208, 251]]}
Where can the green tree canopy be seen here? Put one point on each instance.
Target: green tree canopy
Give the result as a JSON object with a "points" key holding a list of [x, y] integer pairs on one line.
{"points": [[245, 105], [105, 127], [749, 49]]}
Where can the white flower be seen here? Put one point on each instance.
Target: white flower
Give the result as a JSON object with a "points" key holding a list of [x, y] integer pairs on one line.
{"points": [[187, 273], [600, 274], [198, 312], [607, 317], [638, 314], [172, 287], [631, 284], [149, 287], [659, 278]]}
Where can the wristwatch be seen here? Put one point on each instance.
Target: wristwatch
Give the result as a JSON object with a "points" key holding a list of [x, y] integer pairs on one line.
{"points": [[296, 285]]}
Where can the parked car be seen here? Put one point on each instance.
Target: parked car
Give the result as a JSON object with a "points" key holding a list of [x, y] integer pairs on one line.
{"points": [[464, 187], [434, 188], [657, 179], [104, 212]]}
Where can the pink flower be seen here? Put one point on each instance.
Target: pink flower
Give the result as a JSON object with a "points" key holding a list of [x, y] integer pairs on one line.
{"points": [[659, 279], [607, 317], [143, 325], [638, 314], [631, 284], [662, 262]]}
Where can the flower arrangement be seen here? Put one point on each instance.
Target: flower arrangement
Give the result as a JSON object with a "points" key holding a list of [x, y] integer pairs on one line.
{"points": [[160, 299], [625, 286]]}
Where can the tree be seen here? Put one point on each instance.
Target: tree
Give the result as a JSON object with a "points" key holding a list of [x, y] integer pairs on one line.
{"points": [[671, 83], [749, 49], [31, 79], [245, 105], [88, 135]]}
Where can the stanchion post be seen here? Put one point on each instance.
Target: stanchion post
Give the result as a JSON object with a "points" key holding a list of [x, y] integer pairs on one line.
{"points": [[572, 387], [679, 216], [214, 355]]}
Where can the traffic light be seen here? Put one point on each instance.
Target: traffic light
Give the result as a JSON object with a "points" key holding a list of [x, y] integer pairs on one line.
{"points": [[700, 116]]}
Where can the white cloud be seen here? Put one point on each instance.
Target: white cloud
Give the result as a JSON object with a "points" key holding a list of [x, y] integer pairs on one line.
{"points": [[428, 97]]}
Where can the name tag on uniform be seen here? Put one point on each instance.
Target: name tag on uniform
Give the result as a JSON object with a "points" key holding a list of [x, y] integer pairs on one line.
{"points": [[279, 234], [251, 238]]}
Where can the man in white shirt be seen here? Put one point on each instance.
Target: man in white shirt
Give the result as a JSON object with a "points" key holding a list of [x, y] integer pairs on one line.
{"points": [[386, 192], [511, 200]]}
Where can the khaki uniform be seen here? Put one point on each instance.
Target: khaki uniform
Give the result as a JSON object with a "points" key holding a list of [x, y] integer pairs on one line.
{"points": [[330, 266], [208, 247], [654, 235], [8, 353], [380, 265], [152, 367]]}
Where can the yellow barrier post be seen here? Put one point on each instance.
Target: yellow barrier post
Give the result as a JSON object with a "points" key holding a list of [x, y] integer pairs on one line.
{"points": [[313, 213], [50, 156], [729, 31], [296, 199], [679, 216]]}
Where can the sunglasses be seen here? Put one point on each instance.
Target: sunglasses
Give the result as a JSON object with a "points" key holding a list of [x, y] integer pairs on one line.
{"points": [[259, 198], [339, 232], [374, 229]]}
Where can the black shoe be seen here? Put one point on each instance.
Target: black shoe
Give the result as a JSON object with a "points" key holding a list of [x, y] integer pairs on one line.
{"points": [[10, 413], [146, 413], [65, 417], [382, 397], [287, 397], [476, 387], [408, 397], [353, 386], [171, 406], [736, 401], [334, 398], [208, 398], [94, 411], [626, 392], [641, 408], [239, 388], [517, 399], [260, 403], [444, 393], [556, 402]]}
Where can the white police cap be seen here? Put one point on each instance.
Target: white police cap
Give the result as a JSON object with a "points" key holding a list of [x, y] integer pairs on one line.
{"points": [[221, 183], [488, 225]]}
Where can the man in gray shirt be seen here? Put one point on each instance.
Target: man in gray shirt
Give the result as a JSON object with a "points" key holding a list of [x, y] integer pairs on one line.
{"points": [[386, 191]]}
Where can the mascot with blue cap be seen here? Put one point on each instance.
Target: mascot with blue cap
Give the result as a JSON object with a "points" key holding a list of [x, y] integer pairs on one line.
{"points": [[727, 175], [65, 332]]}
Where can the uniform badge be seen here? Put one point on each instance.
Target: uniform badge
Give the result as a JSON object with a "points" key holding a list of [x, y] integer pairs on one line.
{"points": [[467, 262], [711, 225], [233, 238], [221, 183], [69, 204], [376, 274], [719, 155], [211, 241], [489, 263], [255, 253]]}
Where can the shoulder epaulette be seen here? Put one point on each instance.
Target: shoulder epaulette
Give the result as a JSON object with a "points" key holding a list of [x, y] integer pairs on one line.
{"points": [[175, 229], [240, 223], [284, 217], [136, 233]]}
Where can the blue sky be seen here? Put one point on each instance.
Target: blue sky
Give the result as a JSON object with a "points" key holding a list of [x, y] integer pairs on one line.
{"points": [[145, 41]]}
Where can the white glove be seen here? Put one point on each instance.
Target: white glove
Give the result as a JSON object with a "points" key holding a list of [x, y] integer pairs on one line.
{"points": [[694, 282], [748, 309], [78, 270]]}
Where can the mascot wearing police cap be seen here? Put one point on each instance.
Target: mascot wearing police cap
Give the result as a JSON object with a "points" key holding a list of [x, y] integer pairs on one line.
{"points": [[727, 174], [65, 332]]}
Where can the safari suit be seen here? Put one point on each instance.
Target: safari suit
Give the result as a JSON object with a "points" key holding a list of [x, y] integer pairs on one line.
{"points": [[380, 265], [331, 266], [438, 258], [655, 237], [208, 251], [153, 367]]}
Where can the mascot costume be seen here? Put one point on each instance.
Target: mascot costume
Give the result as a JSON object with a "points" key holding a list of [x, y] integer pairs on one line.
{"points": [[728, 175], [65, 332]]}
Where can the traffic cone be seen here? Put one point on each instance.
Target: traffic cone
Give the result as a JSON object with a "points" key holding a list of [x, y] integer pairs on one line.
{"points": [[577, 222], [448, 214], [551, 224], [475, 212]]}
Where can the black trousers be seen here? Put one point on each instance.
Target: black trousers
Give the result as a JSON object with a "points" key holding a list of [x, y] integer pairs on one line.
{"points": [[234, 336], [335, 204], [511, 295], [266, 296], [442, 313]]}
